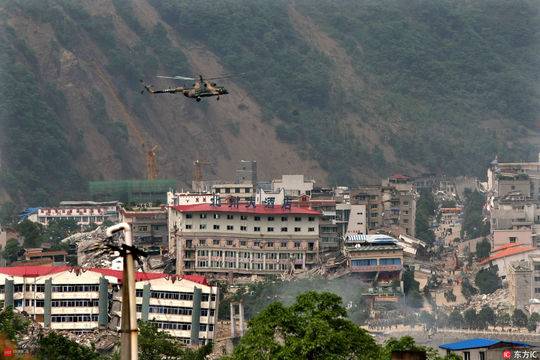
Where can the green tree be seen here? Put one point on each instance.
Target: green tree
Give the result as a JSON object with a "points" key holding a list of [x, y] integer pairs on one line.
{"points": [[504, 320], [409, 283], [314, 327], [455, 320], [156, 344], [486, 316], [483, 248], [8, 214], [31, 232], [57, 230], [487, 280], [467, 289], [533, 322], [473, 219], [12, 250], [55, 346], [519, 318], [471, 318], [12, 324], [425, 210]]}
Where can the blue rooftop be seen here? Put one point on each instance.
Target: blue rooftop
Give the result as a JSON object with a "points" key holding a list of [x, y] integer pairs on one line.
{"points": [[479, 343]]}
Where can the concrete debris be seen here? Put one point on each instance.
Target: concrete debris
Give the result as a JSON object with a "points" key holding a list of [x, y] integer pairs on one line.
{"points": [[93, 248], [499, 301]]}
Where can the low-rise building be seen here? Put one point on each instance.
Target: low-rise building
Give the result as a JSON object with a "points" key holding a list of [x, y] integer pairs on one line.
{"points": [[483, 349], [243, 239], [83, 212], [78, 301], [505, 255], [56, 257]]}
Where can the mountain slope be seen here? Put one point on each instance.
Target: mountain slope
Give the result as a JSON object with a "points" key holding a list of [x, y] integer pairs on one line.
{"points": [[344, 91]]}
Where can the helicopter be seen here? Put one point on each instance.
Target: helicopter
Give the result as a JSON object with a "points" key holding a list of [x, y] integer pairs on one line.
{"points": [[200, 89]]}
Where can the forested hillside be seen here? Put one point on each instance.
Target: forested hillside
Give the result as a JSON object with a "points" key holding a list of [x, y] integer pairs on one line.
{"points": [[342, 91]]}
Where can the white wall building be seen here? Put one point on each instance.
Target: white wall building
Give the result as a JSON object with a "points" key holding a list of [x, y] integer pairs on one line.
{"points": [[294, 185], [76, 300], [84, 212]]}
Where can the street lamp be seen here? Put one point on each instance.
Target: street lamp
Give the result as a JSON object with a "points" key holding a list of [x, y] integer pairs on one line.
{"points": [[128, 329]]}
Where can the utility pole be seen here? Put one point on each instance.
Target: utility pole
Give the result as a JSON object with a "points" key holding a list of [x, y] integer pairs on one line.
{"points": [[128, 328]]}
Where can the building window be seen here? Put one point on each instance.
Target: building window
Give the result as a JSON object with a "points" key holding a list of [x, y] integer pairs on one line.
{"points": [[297, 229], [189, 216], [405, 221], [391, 261], [466, 355], [283, 244], [243, 217], [364, 262], [311, 218], [229, 242], [143, 228], [202, 226], [296, 244], [270, 218], [270, 229], [257, 218], [216, 227], [311, 229], [373, 206], [230, 217], [243, 228], [216, 216], [283, 229], [270, 244], [297, 218], [512, 239], [243, 243], [537, 290], [188, 226], [482, 355], [256, 243], [215, 242], [256, 229], [230, 227], [227, 190], [284, 218], [202, 215], [237, 190]]}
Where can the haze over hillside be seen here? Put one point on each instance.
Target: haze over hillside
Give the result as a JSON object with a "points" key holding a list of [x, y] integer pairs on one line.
{"points": [[340, 91]]}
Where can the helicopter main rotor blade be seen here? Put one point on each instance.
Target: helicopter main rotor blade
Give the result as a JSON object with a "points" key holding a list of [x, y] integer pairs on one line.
{"points": [[176, 77], [225, 76]]}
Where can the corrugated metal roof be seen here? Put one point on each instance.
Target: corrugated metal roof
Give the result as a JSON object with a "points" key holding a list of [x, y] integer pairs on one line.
{"points": [[479, 343], [373, 238]]}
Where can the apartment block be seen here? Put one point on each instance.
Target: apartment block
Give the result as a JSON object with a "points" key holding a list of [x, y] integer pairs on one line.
{"points": [[149, 226], [243, 239], [244, 191], [76, 300]]}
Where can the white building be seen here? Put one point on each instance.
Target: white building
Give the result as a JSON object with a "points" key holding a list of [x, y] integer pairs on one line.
{"points": [[77, 300], [294, 185], [83, 212], [243, 240]]}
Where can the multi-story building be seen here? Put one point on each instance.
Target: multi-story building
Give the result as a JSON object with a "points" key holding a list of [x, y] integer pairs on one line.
{"points": [[351, 219], [323, 200], [243, 239], [78, 301], [294, 185], [149, 226], [83, 212], [371, 197], [244, 191], [188, 198], [390, 206], [378, 259], [247, 172]]}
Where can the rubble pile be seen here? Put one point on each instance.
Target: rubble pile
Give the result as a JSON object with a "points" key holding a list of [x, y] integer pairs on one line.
{"points": [[498, 301], [93, 248], [103, 340]]}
